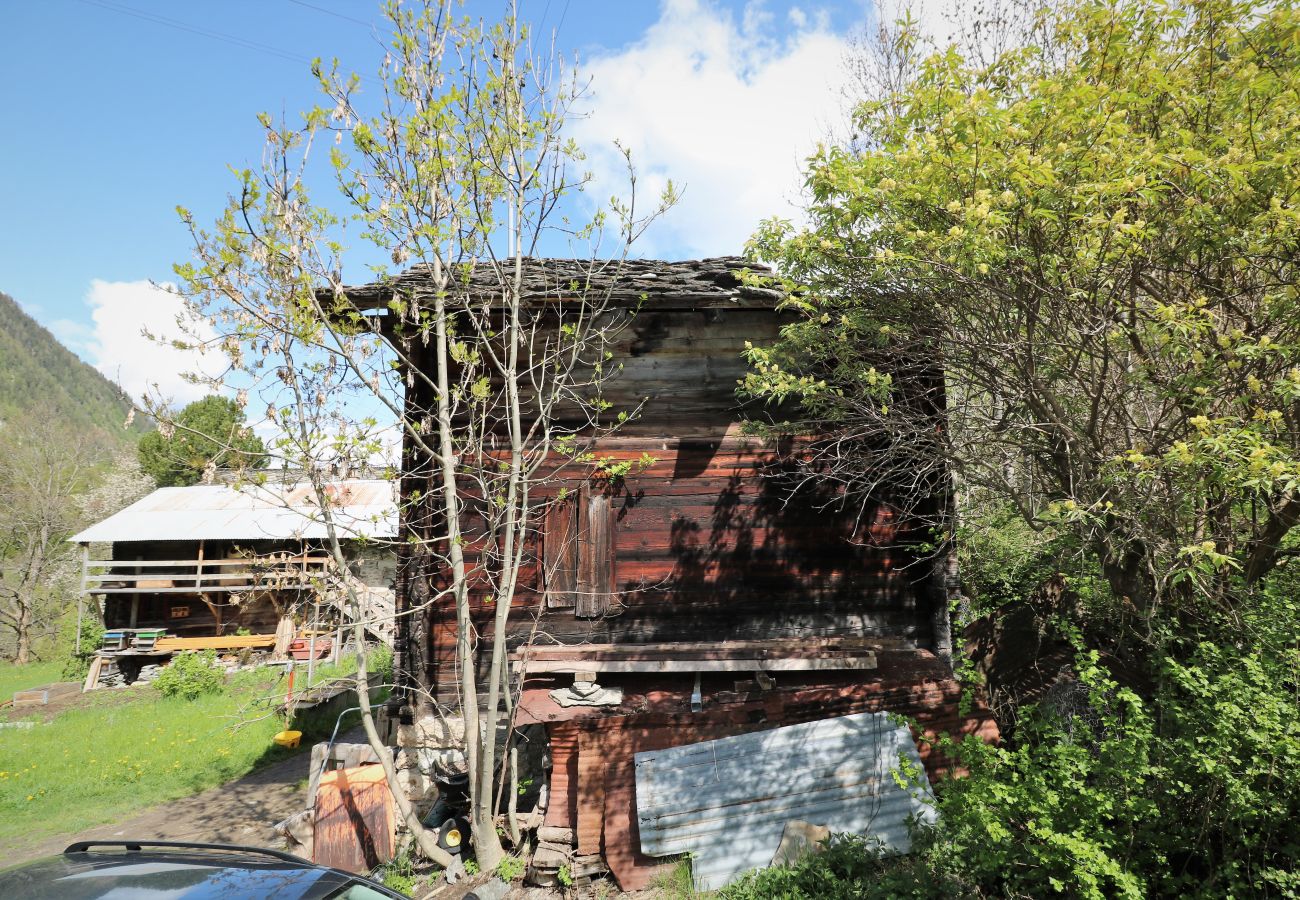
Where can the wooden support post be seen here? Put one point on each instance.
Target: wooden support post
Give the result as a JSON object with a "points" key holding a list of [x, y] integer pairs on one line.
{"points": [[311, 642], [81, 594], [215, 609], [198, 570]]}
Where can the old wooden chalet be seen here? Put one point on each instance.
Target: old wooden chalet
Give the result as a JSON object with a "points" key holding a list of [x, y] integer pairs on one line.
{"points": [[712, 593], [229, 568]]}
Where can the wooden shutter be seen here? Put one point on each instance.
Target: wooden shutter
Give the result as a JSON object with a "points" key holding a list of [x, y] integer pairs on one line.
{"points": [[595, 587], [578, 553], [560, 553]]}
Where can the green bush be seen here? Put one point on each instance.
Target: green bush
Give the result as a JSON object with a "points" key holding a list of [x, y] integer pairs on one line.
{"points": [[191, 675], [510, 868], [849, 868], [381, 664], [75, 665], [1192, 792], [399, 874], [1059, 811]]}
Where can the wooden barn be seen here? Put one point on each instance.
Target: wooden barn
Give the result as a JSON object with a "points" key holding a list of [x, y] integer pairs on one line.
{"points": [[229, 568], [710, 592]]}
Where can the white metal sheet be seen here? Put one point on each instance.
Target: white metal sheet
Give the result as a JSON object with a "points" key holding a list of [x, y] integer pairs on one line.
{"points": [[727, 801], [360, 508]]}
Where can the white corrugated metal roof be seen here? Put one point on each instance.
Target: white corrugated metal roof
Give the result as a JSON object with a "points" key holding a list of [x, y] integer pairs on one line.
{"points": [[727, 801], [362, 508]]}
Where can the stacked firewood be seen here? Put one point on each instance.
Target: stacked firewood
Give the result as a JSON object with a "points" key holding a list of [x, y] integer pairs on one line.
{"points": [[555, 861]]}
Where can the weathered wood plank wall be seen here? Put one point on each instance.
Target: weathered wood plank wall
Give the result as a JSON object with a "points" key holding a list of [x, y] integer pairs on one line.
{"points": [[715, 541], [712, 541]]}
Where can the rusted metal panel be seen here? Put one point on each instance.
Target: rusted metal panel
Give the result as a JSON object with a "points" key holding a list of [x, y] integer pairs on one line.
{"points": [[355, 820], [253, 512], [727, 801]]}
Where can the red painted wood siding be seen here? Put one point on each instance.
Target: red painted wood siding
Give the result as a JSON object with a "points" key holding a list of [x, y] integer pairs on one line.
{"points": [[716, 541]]}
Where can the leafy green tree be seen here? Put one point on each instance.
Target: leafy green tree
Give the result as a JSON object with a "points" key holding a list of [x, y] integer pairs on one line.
{"points": [[1066, 273], [41, 468], [1093, 236], [206, 434]]}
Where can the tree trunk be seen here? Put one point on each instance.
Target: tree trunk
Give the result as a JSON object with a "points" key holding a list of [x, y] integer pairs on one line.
{"points": [[23, 627], [484, 829]]}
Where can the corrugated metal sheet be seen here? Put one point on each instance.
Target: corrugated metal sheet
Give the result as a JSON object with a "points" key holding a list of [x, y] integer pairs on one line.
{"points": [[727, 801], [254, 512]]}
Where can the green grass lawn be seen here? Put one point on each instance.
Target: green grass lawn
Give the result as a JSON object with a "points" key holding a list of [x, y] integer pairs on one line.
{"points": [[20, 678], [123, 753]]}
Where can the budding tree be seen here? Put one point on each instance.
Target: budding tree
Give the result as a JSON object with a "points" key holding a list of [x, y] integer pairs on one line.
{"points": [[452, 162], [1092, 233], [42, 469]]}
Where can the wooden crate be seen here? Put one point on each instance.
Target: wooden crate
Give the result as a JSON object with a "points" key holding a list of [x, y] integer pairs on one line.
{"points": [[43, 695]]}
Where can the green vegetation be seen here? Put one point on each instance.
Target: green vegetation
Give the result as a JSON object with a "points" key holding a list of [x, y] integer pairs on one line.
{"points": [[19, 678], [76, 665], [848, 868], [52, 482], [400, 874], [1107, 801], [208, 433], [190, 676], [676, 883], [1092, 220], [42, 381], [106, 761], [510, 868]]}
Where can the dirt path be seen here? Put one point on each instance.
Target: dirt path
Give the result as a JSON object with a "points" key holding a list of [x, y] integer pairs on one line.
{"points": [[239, 812]]}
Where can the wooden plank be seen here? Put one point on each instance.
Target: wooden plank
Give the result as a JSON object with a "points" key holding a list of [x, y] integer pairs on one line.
{"points": [[562, 810], [595, 555], [830, 646], [227, 642], [633, 653], [153, 581], [560, 549], [92, 677], [260, 561], [206, 589], [864, 662], [817, 643]]}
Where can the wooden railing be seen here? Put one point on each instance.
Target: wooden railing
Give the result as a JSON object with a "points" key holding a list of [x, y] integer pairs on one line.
{"points": [[208, 576]]}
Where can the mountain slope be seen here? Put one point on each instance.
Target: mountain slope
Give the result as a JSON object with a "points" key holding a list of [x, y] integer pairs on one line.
{"points": [[40, 379]]}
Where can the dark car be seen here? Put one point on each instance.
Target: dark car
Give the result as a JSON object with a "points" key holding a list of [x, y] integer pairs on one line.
{"points": [[163, 870]]}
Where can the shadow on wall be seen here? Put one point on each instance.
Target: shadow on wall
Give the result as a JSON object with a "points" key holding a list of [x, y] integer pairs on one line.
{"points": [[778, 555]]}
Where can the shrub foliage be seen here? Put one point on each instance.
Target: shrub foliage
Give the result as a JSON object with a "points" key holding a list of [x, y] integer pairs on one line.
{"points": [[191, 675]]}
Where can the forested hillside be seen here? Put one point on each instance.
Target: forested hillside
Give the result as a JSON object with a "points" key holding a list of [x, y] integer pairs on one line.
{"points": [[42, 379]]}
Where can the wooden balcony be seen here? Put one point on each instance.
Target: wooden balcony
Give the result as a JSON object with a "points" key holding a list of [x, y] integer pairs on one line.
{"points": [[283, 572]]}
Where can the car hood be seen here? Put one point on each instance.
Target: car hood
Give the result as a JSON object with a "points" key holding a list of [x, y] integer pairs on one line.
{"points": [[170, 876]]}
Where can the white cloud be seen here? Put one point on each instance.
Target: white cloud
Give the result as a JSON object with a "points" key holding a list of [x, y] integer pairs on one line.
{"points": [[73, 335], [728, 109], [121, 311]]}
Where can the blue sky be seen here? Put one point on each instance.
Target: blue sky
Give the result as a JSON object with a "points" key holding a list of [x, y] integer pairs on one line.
{"points": [[115, 116]]}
